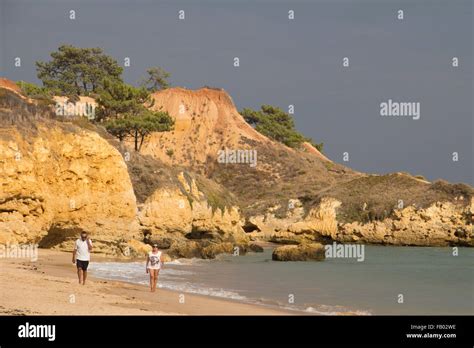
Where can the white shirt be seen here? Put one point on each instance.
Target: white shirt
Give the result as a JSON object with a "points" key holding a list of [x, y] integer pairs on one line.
{"points": [[154, 260], [82, 250]]}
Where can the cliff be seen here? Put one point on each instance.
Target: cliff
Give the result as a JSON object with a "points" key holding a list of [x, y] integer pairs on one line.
{"points": [[58, 179], [293, 191], [60, 176]]}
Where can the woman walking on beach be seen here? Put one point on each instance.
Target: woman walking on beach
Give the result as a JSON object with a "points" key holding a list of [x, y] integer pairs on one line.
{"points": [[154, 261]]}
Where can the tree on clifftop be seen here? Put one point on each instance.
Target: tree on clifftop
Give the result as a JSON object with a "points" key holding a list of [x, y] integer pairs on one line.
{"points": [[125, 110], [116, 98], [78, 71], [156, 79], [139, 126], [277, 125]]}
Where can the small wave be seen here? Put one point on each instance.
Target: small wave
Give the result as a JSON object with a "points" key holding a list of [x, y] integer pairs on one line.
{"points": [[186, 262], [131, 274], [314, 309], [214, 292]]}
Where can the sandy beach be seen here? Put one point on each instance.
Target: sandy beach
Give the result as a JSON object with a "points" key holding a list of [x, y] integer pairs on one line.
{"points": [[49, 286]]}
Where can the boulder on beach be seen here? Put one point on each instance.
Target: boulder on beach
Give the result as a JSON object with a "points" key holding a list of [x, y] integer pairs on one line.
{"points": [[306, 252], [212, 250], [255, 248]]}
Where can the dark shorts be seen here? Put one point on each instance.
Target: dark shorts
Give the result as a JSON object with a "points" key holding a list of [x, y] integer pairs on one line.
{"points": [[82, 264]]}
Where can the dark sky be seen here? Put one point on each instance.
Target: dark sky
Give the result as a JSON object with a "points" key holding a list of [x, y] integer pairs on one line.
{"points": [[286, 62]]}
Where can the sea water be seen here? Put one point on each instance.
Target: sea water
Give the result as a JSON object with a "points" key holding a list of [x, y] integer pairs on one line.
{"points": [[390, 280]]}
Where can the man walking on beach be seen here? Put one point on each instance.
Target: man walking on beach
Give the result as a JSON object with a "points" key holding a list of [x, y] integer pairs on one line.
{"points": [[81, 256]]}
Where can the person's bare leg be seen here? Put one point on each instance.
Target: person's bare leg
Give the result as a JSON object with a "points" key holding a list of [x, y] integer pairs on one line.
{"points": [[157, 272], [152, 279], [79, 275], [84, 276]]}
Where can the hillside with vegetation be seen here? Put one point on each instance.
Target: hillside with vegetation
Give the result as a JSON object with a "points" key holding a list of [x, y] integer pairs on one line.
{"points": [[155, 152]]}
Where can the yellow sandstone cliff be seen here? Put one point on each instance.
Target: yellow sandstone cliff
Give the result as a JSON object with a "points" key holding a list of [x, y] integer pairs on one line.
{"points": [[55, 183]]}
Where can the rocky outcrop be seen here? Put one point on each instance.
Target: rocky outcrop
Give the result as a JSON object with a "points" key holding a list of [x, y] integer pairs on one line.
{"points": [[304, 252], [58, 182], [440, 224], [321, 218], [58, 179], [181, 219], [296, 227], [212, 250], [255, 248]]}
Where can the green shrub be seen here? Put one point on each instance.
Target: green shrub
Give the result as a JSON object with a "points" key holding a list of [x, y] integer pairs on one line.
{"points": [[277, 125]]}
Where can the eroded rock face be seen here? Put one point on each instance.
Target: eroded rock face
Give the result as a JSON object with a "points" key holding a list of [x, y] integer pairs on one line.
{"points": [[56, 183], [297, 227], [205, 120], [183, 216], [321, 219], [440, 224], [170, 210], [304, 252]]}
